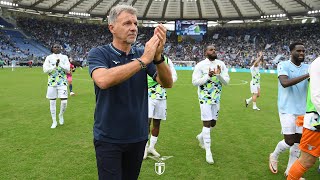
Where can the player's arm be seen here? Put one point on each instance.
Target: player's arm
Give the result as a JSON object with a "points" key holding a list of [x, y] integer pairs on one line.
{"points": [[198, 78], [314, 83], [47, 67], [173, 71], [258, 60], [65, 64], [223, 76], [314, 72], [286, 82], [284, 79]]}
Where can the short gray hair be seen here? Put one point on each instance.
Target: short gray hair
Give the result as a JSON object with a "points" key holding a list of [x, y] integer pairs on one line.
{"points": [[116, 10]]}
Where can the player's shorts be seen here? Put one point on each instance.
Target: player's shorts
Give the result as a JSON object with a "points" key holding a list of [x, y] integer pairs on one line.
{"points": [[69, 77], [157, 109], [54, 92], [209, 111], [288, 124], [310, 142], [254, 88]]}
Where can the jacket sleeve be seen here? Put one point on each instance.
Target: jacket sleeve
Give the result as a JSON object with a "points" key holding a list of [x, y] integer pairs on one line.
{"points": [[314, 72], [65, 64], [198, 78], [224, 77], [47, 67], [173, 71]]}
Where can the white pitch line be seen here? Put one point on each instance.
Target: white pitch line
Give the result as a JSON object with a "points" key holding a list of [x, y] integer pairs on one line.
{"points": [[237, 84]]}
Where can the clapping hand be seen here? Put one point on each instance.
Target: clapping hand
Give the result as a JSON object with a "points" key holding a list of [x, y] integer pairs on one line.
{"points": [[217, 70], [211, 72], [161, 32]]}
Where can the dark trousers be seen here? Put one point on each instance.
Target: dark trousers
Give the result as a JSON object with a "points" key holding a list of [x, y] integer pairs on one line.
{"points": [[119, 161]]}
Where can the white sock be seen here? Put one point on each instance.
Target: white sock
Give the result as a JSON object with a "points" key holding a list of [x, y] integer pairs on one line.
{"points": [[206, 138], [249, 100], [281, 147], [53, 110], [153, 141], [254, 104], [63, 107], [293, 156]]}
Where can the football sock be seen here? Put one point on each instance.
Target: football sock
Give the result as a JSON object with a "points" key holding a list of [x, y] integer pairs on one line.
{"points": [[296, 171], [281, 147], [293, 156], [153, 141], [249, 100], [206, 138], [254, 104], [63, 106], [53, 110], [70, 87]]}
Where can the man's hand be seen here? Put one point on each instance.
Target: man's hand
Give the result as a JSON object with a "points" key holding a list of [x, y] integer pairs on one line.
{"points": [[57, 63], [161, 32], [217, 70], [211, 72], [150, 49]]}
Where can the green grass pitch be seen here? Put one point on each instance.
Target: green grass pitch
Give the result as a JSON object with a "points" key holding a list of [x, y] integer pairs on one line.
{"points": [[241, 141]]}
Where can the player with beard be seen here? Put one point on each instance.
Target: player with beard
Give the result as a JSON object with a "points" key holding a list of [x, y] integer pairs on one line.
{"points": [[209, 75], [292, 95]]}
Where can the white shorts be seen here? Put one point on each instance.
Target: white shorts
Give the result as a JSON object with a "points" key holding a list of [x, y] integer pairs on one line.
{"points": [[209, 111], [288, 124], [54, 92], [254, 88], [157, 108]]}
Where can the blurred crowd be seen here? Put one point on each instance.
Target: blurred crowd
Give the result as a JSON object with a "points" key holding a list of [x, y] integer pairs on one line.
{"points": [[236, 46]]}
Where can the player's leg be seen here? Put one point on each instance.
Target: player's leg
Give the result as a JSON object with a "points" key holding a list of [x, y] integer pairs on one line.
{"points": [[69, 78], [255, 95], [247, 101], [159, 114], [154, 137], [294, 152], [208, 115], [288, 130], [63, 95], [310, 151], [52, 95], [151, 109]]}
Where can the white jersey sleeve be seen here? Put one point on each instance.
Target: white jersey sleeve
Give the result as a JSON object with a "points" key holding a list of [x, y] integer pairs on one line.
{"points": [[47, 66], [314, 72], [223, 76], [173, 71], [198, 78], [64, 63]]}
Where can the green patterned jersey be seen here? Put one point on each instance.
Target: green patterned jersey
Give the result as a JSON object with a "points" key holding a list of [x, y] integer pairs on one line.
{"points": [[209, 88], [57, 75], [255, 73], [210, 92], [155, 90]]}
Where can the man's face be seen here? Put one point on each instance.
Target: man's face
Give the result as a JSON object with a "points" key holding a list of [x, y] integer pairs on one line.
{"points": [[211, 53], [56, 49], [298, 53], [125, 27]]}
